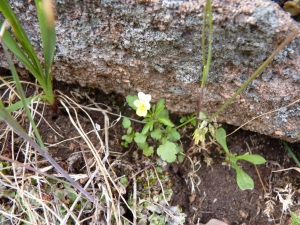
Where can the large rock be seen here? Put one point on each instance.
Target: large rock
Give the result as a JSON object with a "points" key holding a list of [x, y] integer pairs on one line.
{"points": [[154, 46]]}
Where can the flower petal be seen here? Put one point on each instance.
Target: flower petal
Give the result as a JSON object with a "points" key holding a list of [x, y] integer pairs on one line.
{"points": [[147, 98], [142, 104], [141, 112], [138, 103], [147, 105], [141, 95]]}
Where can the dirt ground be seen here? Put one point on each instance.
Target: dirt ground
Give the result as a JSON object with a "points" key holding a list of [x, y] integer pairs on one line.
{"points": [[217, 195]]}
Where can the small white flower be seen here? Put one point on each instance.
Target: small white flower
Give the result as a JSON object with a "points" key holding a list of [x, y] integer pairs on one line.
{"points": [[142, 104]]}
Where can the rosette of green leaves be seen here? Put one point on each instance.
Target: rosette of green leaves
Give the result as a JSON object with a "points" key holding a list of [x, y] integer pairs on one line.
{"points": [[158, 132], [244, 181]]}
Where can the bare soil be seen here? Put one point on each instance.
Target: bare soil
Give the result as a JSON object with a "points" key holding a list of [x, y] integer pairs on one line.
{"points": [[217, 196]]}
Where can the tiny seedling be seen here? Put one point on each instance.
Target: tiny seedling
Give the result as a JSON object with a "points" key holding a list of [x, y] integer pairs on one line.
{"points": [[158, 132], [244, 181]]}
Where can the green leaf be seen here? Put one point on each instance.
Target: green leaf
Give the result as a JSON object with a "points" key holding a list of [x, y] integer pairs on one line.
{"points": [[130, 99], [142, 145], [146, 128], [26, 54], [255, 159], [174, 135], [140, 138], [193, 122], [160, 105], [295, 219], [12, 45], [124, 181], [148, 151], [72, 195], [47, 29], [180, 157], [127, 138], [167, 152], [18, 105], [191, 118], [183, 119], [163, 113], [159, 170], [156, 134], [164, 140], [126, 123], [129, 130], [58, 193], [244, 181], [165, 121], [124, 144], [221, 139], [20, 35], [151, 125]]}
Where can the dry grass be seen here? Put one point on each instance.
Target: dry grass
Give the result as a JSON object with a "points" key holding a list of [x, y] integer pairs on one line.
{"points": [[32, 192]]}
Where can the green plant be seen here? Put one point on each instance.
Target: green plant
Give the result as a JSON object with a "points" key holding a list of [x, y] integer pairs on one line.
{"points": [[5, 115], [295, 219], [21, 47], [160, 128], [3, 166], [158, 132], [291, 153], [190, 118], [244, 181]]}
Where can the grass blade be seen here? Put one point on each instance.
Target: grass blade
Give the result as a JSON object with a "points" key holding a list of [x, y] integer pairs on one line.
{"points": [[4, 115], [26, 53], [18, 129], [291, 153], [20, 34], [12, 45], [18, 105], [22, 95], [256, 73], [47, 29], [206, 64]]}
